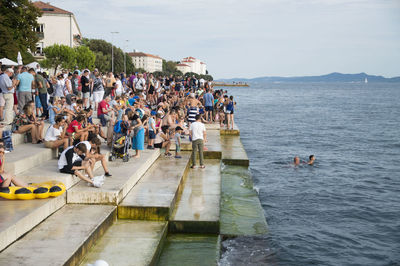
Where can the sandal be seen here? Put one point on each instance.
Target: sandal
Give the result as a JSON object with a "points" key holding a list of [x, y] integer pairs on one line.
{"points": [[193, 166], [202, 166]]}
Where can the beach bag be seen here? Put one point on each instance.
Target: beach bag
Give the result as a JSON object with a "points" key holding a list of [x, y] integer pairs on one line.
{"points": [[7, 139]]}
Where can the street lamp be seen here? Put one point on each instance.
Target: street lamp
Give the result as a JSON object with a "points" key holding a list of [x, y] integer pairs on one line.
{"points": [[112, 50], [125, 57]]}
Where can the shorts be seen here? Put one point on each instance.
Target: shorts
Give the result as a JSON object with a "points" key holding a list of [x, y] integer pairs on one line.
{"points": [[2, 101], [152, 135], [86, 95], [49, 144], [67, 169], [98, 96], [177, 148], [158, 145], [104, 119], [38, 104], [209, 108]]}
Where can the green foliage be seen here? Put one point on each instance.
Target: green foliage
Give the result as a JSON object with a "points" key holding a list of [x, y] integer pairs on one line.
{"points": [[85, 58], [59, 55], [169, 67], [206, 77], [102, 50], [18, 18]]}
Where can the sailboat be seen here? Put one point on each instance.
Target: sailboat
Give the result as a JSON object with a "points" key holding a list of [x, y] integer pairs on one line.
{"points": [[366, 80]]}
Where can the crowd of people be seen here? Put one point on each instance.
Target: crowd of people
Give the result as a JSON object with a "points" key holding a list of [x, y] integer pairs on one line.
{"points": [[153, 110]]}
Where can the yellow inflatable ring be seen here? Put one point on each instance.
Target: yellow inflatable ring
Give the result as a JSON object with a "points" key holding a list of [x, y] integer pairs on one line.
{"points": [[34, 191]]}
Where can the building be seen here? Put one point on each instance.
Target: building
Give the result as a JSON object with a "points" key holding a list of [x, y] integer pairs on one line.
{"points": [[184, 68], [150, 63], [191, 64], [56, 26]]}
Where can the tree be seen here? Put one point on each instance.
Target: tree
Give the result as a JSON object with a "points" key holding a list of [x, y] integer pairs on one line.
{"points": [[169, 67], [85, 58], [59, 55], [18, 18], [102, 50]]}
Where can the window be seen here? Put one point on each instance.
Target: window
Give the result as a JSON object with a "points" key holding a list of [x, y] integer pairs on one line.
{"points": [[40, 28]]}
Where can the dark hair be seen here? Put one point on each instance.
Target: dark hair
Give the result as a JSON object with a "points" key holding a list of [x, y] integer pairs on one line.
{"points": [[80, 118], [178, 128], [59, 118], [198, 116], [81, 147], [164, 129], [144, 118], [96, 141], [310, 157]]}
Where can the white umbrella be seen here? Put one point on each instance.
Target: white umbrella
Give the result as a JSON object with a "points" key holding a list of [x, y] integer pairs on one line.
{"points": [[19, 59], [32, 65], [7, 62]]}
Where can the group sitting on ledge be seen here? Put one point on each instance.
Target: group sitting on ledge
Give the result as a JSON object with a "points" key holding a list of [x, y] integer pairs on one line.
{"points": [[139, 107]]}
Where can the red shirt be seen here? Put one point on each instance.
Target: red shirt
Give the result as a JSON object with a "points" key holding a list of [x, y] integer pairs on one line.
{"points": [[72, 125], [102, 104]]}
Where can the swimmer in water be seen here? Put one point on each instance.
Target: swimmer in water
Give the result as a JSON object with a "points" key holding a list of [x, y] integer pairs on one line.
{"points": [[296, 160], [311, 160]]}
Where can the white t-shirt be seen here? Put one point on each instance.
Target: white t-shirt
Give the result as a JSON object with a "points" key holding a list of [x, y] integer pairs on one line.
{"points": [[63, 159], [118, 90], [197, 129], [88, 146], [52, 133]]}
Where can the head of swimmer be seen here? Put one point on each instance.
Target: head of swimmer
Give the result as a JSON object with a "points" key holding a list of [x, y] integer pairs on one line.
{"points": [[296, 160], [311, 159]]}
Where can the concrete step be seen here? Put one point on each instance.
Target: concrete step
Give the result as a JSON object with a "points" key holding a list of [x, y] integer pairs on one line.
{"points": [[190, 249], [233, 152], [17, 139], [213, 126], [49, 171], [232, 132], [18, 217], [197, 210], [124, 176], [154, 196], [241, 211], [129, 243], [26, 156], [63, 238]]}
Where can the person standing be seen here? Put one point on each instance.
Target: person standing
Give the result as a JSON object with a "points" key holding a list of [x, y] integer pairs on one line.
{"points": [[98, 89], [85, 88], [41, 84], [198, 134], [7, 87], [139, 84], [110, 80], [208, 104], [25, 85]]}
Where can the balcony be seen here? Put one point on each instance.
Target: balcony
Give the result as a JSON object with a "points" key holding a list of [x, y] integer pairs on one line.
{"points": [[40, 35]]}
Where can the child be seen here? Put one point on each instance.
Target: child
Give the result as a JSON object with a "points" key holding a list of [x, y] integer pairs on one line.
{"points": [[152, 130], [178, 132]]}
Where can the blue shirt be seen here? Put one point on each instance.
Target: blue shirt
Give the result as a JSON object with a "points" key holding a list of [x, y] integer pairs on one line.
{"points": [[25, 82], [208, 99]]}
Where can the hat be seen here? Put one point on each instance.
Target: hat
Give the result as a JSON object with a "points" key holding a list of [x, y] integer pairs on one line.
{"points": [[153, 112], [10, 70]]}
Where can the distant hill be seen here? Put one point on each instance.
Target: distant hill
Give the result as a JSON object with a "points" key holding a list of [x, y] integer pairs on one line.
{"points": [[332, 77]]}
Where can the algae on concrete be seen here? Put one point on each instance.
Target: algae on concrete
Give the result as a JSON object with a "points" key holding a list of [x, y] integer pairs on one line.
{"points": [[190, 249], [241, 211]]}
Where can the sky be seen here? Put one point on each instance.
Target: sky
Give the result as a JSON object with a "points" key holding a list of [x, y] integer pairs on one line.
{"points": [[253, 38]]}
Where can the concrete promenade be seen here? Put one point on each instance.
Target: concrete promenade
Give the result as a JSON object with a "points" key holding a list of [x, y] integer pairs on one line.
{"points": [[147, 209]]}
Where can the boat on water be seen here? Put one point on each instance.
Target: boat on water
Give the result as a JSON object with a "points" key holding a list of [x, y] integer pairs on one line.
{"points": [[366, 80]]}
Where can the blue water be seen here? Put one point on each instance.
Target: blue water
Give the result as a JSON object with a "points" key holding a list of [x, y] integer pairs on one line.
{"points": [[344, 210]]}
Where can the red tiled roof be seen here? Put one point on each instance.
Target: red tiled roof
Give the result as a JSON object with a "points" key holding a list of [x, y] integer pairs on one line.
{"points": [[182, 65], [47, 8], [138, 54]]}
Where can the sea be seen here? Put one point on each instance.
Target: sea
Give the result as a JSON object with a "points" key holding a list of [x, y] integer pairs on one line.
{"points": [[343, 210]]}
